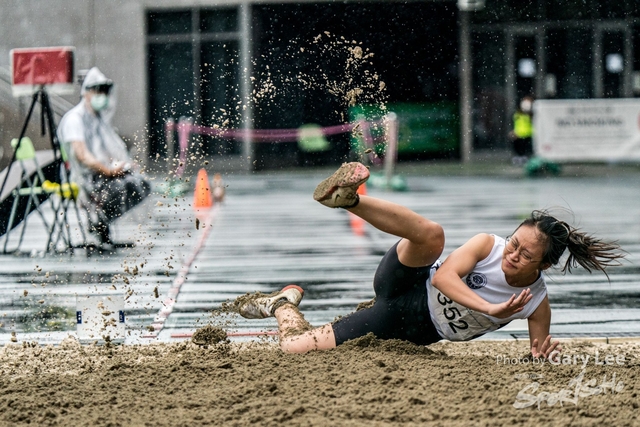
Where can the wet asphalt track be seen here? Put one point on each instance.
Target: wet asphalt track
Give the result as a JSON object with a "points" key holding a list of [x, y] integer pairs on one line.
{"points": [[269, 233]]}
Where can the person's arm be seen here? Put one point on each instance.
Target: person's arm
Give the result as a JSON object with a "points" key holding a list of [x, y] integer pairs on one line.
{"points": [[448, 279], [85, 157], [539, 324]]}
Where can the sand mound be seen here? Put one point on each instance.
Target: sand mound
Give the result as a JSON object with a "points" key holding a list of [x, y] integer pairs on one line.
{"points": [[366, 382], [370, 342], [209, 335]]}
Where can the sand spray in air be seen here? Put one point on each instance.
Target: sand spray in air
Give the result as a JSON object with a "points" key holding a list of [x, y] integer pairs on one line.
{"points": [[343, 70], [340, 69]]}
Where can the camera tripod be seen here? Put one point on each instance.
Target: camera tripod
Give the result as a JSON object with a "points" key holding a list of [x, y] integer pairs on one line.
{"points": [[30, 191]]}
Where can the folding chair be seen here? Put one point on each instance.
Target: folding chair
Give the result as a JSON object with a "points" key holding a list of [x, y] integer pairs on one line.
{"points": [[36, 188], [68, 195], [29, 188]]}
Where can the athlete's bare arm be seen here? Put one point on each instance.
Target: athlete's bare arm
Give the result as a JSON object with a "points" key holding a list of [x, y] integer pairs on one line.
{"points": [[539, 324]]}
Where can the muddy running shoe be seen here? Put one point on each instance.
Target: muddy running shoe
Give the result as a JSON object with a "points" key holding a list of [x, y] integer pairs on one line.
{"points": [[259, 307], [340, 189]]}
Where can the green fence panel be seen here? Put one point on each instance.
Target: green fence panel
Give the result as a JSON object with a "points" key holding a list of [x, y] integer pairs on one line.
{"points": [[425, 128]]}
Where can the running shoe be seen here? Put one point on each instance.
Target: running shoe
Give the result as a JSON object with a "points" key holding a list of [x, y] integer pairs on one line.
{"points": [[259, 306], [340, 189]]}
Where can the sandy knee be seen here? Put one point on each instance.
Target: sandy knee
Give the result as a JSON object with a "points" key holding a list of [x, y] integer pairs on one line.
{"points": [[321, 338], [296, 344]]}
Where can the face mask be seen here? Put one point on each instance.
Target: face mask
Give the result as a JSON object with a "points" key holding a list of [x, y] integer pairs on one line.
{"points": [[525, 106], [99, 102]]}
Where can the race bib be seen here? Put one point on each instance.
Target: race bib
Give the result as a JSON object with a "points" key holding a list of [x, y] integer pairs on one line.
{"points": [[454, 321]]}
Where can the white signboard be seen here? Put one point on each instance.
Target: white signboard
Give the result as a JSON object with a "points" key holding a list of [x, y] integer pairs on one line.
{"points": [[99, 316], [587, 130]]}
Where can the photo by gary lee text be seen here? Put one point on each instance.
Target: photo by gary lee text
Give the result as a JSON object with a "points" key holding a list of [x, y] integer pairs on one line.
{"points": [[556, 358]]}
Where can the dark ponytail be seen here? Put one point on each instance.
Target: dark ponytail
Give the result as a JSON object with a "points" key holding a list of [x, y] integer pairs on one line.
{"points": [[584, 250]]}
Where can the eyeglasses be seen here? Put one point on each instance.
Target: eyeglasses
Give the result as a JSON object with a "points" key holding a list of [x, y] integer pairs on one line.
{"points": [[104, 88], [523, 258]]}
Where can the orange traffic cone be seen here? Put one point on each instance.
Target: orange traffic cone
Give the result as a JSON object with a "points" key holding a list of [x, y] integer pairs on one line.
{"points": [[358, 224], [202, 195]]}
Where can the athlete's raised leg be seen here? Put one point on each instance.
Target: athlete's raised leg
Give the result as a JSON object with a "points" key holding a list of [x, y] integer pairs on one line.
{"points": [[423, 239]]}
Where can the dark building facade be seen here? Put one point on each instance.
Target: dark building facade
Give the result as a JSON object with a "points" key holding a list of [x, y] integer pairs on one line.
{"points": [[301, 54], [238, 64], [569, 49]]}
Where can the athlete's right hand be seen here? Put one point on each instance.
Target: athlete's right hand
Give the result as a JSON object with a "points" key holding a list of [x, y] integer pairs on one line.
{"points": [[508, 308], [547, 349]]}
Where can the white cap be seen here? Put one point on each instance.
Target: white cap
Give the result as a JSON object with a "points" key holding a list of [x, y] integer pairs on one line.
{"points": [[94, 78]]}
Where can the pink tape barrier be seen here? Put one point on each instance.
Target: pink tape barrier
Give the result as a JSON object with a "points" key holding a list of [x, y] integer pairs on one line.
{"points": [[185, 128]]}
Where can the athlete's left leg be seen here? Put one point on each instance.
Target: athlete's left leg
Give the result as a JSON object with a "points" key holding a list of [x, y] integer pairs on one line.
{"points": [[297, 336]]}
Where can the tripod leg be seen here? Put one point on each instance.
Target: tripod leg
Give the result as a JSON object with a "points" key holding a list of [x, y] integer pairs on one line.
{"points": [[22, 133], [12, 217], [24, 223]]}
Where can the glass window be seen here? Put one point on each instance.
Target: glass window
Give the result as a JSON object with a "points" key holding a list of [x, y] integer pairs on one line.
{"points": [[169, 22], [494, 11], [635, 76], [489, 101], [509, 11], [571, 9], [636, 48], [220, 93], [170, 68], [210, 93], [570, 59], [219, 20], [614, 9], [525, 66], [612, 63]]}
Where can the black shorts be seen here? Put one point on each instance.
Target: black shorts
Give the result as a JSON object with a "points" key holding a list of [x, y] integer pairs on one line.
{"points": [[400, 310], [523, 147]]}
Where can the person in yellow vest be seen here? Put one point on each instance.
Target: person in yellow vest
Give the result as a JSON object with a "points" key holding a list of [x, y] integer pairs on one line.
{"points": [[522, 132]]}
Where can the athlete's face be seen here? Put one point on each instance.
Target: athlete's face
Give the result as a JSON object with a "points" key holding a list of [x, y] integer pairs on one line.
{"points": [[523, 252]]}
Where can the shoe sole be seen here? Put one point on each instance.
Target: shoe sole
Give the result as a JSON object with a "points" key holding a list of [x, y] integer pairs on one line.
{"points": [[293, 287], [350, 174]]}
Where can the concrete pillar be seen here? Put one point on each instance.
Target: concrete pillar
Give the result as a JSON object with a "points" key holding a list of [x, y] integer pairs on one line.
{"points": [[466, 89], [245, 82]]}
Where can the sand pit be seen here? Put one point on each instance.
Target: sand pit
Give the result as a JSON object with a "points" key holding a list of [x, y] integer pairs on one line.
{"points": [[368, 382]]}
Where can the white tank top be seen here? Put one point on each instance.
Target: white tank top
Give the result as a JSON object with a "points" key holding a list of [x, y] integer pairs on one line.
{"points": [[455, 322]]}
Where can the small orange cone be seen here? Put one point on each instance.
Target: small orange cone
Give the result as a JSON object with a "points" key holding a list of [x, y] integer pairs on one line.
{"points": [[218, 188], [202, 195], [358, 224]]}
